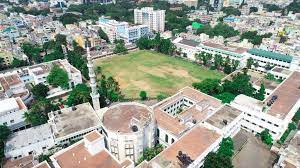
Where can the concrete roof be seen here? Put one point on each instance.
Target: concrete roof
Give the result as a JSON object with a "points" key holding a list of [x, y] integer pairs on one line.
{"points": [[288, 95], [8, 105], [119, 117], [203, 106], [227, 113], [69, 120], [77, 155], [24, 162], [28, 136], [193, 144], [292, 152]]}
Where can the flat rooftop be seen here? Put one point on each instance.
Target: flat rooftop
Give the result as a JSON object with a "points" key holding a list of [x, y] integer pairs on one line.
{"points": [[224, 114], [9, 104], [293, 151], [288, 94], [28, 136], [70, 120], [199, 111], [282, 70], [193, 144], [119, 117], [233, 49], [77, 155], [43, 164], [24, 162]]}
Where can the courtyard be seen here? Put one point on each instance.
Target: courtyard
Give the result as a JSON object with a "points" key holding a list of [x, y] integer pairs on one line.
{"points": [[153, 72]]}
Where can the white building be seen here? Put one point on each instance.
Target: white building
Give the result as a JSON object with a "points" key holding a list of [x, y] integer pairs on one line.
{"points": [[31, 141], [89, 152], [263, 58], [129, 128], [181, 112], [275, 112], [70, 124], [12, 113], [122, 30], [154, 19]]}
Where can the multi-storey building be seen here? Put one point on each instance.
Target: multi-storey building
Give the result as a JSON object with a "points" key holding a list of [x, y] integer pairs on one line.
{"points": [[12, 113], [275, 112], [89, 152], [129, 128], [264, 58], [154, 19], [122, 30]]}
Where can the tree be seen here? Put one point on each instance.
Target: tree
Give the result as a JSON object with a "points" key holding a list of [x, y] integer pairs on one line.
{"points": [[144, 43], [253, 9], [120, 48], [240, 84], [103, 35], [250, 62], [161, 96], [109, 90], [40, 90], [4, 134], [213, 160], [226, 147], [16, 63], [68, 18], [58, 77], [32, 52], [61, 39], [231, 11], [296, 117], [143, 95], [209, 86], [266, 137], [260, 95], [38, 113], [150, 153], [225, 97], [204, 58], [80, 94]]}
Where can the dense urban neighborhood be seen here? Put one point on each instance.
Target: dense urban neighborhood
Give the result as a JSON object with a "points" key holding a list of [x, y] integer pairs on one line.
{"points": [[149, 84]]}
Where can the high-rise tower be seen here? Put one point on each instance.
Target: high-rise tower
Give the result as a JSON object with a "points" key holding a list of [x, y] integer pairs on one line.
{"points": [[94, 94]]}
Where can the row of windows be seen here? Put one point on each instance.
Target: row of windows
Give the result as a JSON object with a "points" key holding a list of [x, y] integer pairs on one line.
{"points": [[270, 58], [11, 121], [259, 126], [269, 122]]}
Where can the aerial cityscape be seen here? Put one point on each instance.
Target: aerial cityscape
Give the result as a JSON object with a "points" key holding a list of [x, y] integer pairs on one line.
{"points": [[149, 83]]}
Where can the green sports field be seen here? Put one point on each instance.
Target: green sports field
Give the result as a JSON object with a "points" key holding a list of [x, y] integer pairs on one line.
{"points": [[153, 72]]}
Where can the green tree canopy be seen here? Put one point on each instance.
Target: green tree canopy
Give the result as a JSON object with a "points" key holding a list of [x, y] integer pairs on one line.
{"points": [[103, 35], [38, 113], [58, 77], [266, 137], [260, 95], [143, 95], [4, 132], [40, 90], [120, 48], [225, 97], [226, 147], [209, 86], [213, 160], [32, 52], [80, 94], [231, 11]]}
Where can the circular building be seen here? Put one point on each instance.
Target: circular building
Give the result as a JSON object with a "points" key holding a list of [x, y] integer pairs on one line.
{"points": [[129, 128]]}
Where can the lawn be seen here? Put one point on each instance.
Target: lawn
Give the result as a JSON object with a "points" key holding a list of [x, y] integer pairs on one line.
{"points": [[153, 72]]}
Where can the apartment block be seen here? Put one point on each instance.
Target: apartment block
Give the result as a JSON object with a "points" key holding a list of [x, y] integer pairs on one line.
{"points": [[154, 19]]}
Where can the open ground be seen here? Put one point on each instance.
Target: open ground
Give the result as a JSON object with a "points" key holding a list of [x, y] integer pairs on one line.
{"points": [[153, 72]]}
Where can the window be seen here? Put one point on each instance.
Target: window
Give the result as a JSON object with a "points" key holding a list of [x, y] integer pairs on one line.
{"points": [[157, 132], [166, 138], [172, 140], [12, 121]]}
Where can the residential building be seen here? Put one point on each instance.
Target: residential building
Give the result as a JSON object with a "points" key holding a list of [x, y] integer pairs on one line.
{"points": [[12, 113], [216, 4], [275, 112], [23, 162], [122, 30], [129, 128], [154, 19], [70, 124], [89, 152], [31, 141]]}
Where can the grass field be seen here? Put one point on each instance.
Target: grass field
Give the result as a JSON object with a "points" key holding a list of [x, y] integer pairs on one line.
{"points": [[153, 72]]}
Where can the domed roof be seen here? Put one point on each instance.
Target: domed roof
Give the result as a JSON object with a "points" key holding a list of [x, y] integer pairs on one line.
{"points": [[119, 117]]}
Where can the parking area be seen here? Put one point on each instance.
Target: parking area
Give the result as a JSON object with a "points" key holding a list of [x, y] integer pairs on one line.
{"points": [[250, 152]]}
